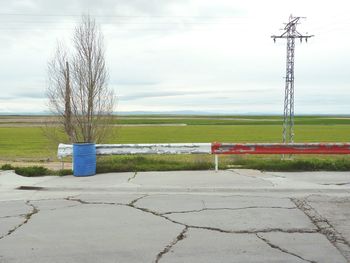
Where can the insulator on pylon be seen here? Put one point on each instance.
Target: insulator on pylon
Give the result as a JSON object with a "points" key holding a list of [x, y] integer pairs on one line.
{"points": [[291, 34]]}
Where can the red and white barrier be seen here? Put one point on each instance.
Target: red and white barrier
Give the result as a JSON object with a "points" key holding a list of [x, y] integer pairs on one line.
{"points": [[213, 148], [280, 148]]}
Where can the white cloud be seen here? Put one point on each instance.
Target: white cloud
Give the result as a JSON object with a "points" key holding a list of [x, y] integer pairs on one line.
{"points": [[195, 54]]}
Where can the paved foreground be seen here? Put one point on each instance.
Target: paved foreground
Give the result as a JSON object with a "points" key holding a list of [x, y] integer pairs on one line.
{"points": [[229, 216]]}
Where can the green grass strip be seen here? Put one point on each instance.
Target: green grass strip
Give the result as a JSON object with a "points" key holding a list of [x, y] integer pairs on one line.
{"points": [[153, 163]]}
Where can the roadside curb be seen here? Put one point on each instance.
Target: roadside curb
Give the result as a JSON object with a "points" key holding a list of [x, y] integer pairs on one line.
{"points": [[181, 189]]}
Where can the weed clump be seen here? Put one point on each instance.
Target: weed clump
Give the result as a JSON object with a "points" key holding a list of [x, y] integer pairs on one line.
{"points": [[297, 165], [32, 171], [142, 164], [7, 167], [63, 172]]}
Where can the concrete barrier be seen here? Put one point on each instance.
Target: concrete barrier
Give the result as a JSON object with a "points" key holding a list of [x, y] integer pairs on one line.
{"points": [[215, 148], [280, 148], [65, 150]]}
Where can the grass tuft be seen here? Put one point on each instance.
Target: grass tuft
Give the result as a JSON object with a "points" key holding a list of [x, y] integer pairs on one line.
{"points": [[175, 163], [296, 165], [63, 172], [32, 171], [142, 164], [7, 167]]}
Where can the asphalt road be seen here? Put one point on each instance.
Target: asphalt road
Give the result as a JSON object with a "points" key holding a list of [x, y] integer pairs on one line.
{"points": [[229, 216]]}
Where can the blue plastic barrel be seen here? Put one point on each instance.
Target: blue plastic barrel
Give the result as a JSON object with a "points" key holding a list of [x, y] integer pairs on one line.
{"points": [[84, 159]]}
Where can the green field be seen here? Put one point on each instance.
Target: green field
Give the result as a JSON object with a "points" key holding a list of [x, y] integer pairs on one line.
{"points": [[28, 142], [193, 120], [232, 120]]}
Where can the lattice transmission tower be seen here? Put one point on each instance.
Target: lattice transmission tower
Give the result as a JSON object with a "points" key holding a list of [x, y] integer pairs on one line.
{"points": [[290, 33]]}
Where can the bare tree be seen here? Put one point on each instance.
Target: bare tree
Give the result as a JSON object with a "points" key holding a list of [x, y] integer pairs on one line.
{"points": [[59, 91], [78, 91]]}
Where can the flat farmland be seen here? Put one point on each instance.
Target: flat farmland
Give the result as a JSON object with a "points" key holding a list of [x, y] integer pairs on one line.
{"points": [[186, 120], [22, 137]]}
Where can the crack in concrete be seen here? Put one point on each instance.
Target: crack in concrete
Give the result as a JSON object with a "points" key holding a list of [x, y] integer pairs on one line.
{"points": [[282, 249], [226, 208], [324, 227], [20, 215], [182, 234], [89, 203], [57, 208], [273, 175], [145, 210], [132, 177], [163, 215], [322, 224], [292, 230], [75, 199], [180, 237], [337, 184], [187, 226], [132, 205], [256, 177], [137, 199], [56, 199], [69, 198], [266, 230], [27, 216]]}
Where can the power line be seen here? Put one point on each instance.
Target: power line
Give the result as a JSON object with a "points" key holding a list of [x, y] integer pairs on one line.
{"points": [[13, 20], [290, 33], [121, 16]]}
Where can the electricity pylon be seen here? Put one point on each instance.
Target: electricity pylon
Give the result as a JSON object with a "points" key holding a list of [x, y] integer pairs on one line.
{"points": [[290, 33]]}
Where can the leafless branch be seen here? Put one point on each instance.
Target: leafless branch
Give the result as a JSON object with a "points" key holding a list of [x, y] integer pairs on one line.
{"points": [[78, 90]]}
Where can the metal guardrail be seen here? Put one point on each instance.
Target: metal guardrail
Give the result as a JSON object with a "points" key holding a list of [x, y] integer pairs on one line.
{"points": [[280, 148], [216, 148], [65, 150]]}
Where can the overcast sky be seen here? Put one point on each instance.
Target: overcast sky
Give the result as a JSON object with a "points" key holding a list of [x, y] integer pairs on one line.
{"points": [[197, 55]]}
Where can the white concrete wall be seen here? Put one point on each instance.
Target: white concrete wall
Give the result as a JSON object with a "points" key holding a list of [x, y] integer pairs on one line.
{"points": [[125, 149]]}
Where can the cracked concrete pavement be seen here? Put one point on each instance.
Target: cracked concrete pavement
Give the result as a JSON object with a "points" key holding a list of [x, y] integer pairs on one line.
{"points": [[187, 216]]}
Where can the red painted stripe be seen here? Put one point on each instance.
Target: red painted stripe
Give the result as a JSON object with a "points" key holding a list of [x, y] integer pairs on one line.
{"points": [[280, 148]]}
